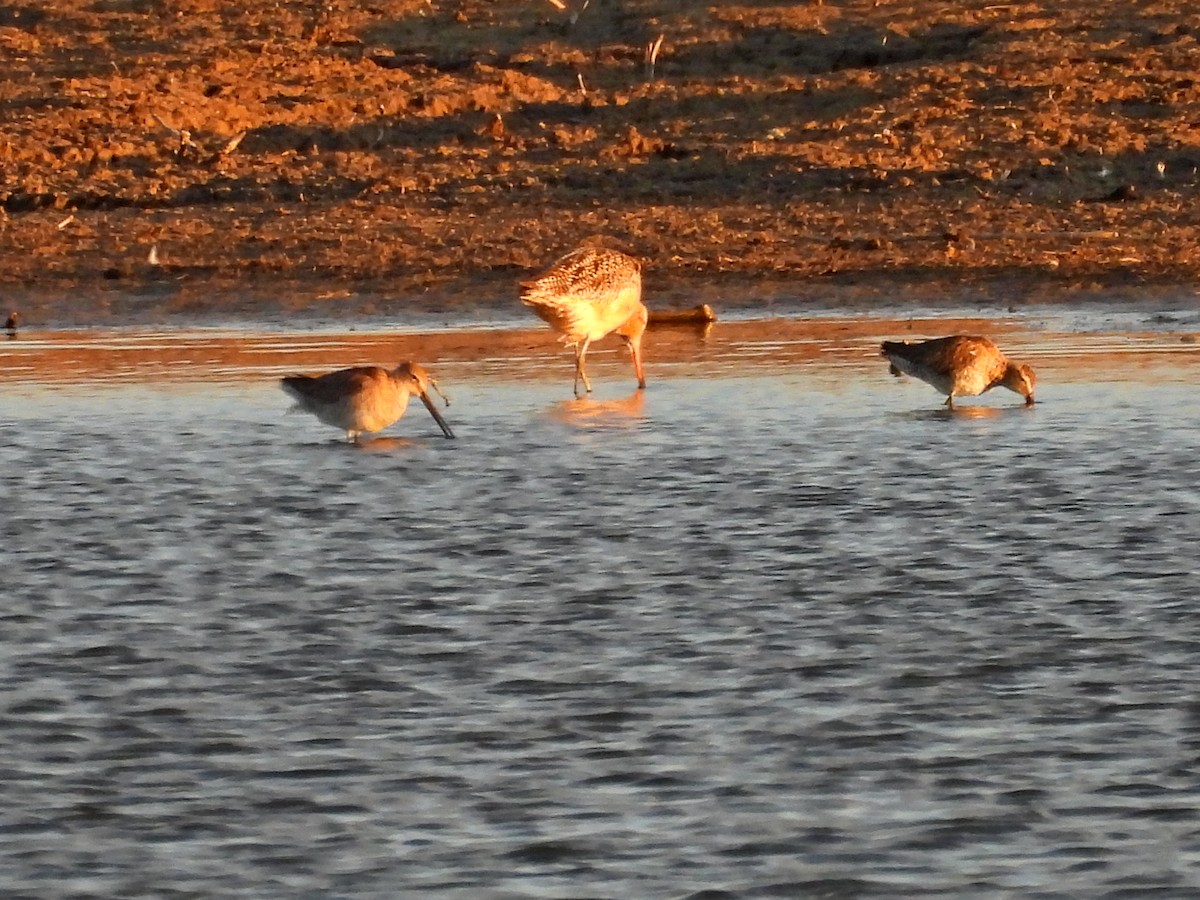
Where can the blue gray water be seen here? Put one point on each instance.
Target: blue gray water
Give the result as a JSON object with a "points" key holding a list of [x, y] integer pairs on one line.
{"points": [[788, 631]]}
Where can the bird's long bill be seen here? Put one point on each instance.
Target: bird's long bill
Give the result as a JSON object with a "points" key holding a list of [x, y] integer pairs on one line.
{"points": [[437, 416]]}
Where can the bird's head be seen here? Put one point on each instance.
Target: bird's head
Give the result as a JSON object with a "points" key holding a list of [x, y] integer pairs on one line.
{"points": [[419, 381], [631, 332], [635, 325], [1020, 378]]}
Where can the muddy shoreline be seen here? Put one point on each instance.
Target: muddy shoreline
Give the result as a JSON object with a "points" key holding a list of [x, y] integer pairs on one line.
{"points": [[733, 348], [184, 300], [408, 159]]}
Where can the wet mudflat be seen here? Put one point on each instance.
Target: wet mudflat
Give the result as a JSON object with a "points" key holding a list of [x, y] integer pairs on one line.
{"points": [[779, 626]]}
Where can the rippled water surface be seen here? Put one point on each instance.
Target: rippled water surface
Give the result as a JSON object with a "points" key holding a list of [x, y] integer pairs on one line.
{"points": [[778, 628]]}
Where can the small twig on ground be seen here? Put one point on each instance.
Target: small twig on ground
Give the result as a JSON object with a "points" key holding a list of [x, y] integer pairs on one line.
{"points": [[225, 149], [652, 49], [230, 145]]}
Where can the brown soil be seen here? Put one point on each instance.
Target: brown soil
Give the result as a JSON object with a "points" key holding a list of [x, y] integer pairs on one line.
{"points": [[204, 159]]}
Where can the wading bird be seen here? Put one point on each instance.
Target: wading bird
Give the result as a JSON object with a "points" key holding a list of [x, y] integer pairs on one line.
{"points": [[364, 398], [960, 366], [587, 294]]}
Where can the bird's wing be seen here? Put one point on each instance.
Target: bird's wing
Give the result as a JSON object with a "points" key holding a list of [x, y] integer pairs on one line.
{"points": [[978, 354], [586, 293], [332, 387], [938, 356]]}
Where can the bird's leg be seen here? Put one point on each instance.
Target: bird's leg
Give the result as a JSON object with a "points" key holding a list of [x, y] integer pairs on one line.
{"points": [[580, 352], [950, 402]]}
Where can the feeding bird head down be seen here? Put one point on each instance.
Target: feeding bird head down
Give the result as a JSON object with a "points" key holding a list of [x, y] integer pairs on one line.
{"points": [[632, 332], [1020, 378], [960, 365], [587, 294], [365, 398], [419, 381]]}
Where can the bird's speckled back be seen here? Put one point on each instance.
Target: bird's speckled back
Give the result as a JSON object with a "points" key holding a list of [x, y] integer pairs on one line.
{"points": [[588, 293]]}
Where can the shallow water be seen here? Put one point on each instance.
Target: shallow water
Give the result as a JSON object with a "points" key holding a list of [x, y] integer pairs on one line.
{"points": [[781, 626]]}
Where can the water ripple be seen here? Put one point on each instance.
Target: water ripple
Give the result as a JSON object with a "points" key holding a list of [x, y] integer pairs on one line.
{"points": [[768, 637]]}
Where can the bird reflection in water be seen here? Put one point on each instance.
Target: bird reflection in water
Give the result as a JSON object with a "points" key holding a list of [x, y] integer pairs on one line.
{"points": [[382, 444], [966, 412], [586, 412], [981, 412]]}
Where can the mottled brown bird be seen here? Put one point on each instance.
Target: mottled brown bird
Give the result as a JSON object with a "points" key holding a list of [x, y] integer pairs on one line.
{"points": [[587, 294], [960, 366], [364, 398]]}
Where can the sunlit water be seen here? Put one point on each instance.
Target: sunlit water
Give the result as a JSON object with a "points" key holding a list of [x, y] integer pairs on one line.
{"points": [[795, 632]]}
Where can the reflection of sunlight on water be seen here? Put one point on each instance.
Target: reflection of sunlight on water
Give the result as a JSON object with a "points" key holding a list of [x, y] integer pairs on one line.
{"points": [[817, 348], [157, 357], [585, 412]]}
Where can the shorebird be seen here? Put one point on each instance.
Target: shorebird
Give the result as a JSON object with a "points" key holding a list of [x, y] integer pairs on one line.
{"points": [[364, 398], [960, 366], [587, 294]]}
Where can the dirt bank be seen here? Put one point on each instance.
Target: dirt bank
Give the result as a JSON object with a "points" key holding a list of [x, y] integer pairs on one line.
{"points": [[201, 159]]}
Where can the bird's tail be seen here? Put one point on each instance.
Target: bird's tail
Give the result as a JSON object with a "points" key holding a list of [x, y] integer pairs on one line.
{"points": [[293, 385], [887, 349]]}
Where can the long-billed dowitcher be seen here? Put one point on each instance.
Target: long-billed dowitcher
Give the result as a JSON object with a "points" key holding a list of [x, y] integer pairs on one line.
{"points": [[365, 398], [960, 366], [587, 294]]}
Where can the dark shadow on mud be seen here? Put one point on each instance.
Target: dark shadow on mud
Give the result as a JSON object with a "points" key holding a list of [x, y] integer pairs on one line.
{"points": [[771, 50], [219, 190], [25, 18]]}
